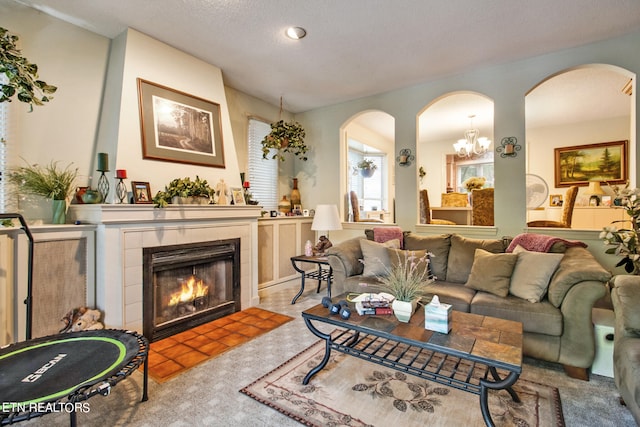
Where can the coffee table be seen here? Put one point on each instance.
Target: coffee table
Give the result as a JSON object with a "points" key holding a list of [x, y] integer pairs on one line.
{"points": [[479, 354]]}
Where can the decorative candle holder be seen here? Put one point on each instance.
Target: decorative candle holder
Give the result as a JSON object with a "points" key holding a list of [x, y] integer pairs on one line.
{"points": [[103, 186], [121, 188]]}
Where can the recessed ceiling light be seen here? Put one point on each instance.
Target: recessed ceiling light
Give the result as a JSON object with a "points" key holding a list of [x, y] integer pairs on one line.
{"points": [[296, 33]]}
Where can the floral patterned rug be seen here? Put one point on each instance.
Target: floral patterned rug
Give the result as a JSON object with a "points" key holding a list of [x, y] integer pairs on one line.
{"points": [[353, 392]]}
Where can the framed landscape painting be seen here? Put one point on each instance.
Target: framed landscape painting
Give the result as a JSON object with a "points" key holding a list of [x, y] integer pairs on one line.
{"points": [[604, 162], [178, 127]]}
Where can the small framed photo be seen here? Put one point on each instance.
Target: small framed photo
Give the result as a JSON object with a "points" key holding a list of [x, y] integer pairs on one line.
{"points": [[141, 192], [237, 195], [606, 200], [555, 200]]}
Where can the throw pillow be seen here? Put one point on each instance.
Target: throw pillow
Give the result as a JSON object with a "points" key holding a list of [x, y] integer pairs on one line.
{"points": [[375, 256], [399, 256], [532, 273], [437, 245], [462, 255], [491, 272]]}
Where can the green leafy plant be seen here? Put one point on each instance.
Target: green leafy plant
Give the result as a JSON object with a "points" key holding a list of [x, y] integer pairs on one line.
{"points": [[624, 242], [407, 278], [47, 181], [367, 164], [182, 187], [285, 138], [21, 75]]}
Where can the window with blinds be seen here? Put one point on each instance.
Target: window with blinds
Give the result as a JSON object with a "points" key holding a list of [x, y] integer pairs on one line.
{"points": [[263, 173]]}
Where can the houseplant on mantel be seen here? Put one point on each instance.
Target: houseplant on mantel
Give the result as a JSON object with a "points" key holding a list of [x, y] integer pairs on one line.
{"points": [[285, 138], [184, 191], [21, 76], [49, 182], [406, 279]]}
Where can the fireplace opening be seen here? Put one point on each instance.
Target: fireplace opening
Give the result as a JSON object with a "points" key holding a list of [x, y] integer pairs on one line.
{"points": [[187, 285]]}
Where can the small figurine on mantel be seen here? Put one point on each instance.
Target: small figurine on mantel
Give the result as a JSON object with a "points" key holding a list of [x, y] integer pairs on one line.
{"points": [[222, 191], [321, 247]]}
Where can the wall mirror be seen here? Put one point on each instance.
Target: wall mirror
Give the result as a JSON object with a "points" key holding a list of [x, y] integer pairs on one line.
{"points": [[368, 146], [579, 111], [450, 151]]}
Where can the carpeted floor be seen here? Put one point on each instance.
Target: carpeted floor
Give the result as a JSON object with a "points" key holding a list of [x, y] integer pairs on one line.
{"points": [[174, 355], [208, 394], [354, 392]]}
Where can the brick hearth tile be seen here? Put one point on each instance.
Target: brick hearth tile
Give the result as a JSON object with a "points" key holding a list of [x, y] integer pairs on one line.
{"points": [[214, 348], [166, 369], [266, 324], [184, 336], [191, 358], [251, 331], [176, 350], [218, 333], [223, 321], [156, 358], [236, 326], [234, 339], [198, 341], [163, 344], [203, 329]]}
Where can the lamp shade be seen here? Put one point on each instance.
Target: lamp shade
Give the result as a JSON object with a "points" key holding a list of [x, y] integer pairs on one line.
{"points": [[595, 189], [326, 218]]}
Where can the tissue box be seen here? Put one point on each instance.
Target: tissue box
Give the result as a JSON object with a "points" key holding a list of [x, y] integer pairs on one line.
{"points": [[437, 317]]}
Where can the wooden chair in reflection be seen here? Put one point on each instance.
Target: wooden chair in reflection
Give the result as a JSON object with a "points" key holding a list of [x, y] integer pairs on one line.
{"points": [[355, 209], [454, 200], [482, 207], [567, 212], [425, 211]]}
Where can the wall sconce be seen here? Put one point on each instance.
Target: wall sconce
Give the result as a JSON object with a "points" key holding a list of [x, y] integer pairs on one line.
{"points": [[508, 147], [405, 157]]}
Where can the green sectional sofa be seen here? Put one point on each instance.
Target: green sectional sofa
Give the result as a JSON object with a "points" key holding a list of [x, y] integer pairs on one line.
{"points": [[557, 329]]}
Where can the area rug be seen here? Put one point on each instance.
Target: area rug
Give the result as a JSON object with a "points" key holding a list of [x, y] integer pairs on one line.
{"points": [[353, 392], [176, 354]]}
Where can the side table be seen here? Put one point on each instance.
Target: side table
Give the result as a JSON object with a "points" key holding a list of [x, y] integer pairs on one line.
{"points": [[324, 272], [603, 323]]}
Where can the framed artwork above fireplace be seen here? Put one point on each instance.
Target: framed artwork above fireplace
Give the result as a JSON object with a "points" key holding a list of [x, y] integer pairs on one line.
{"points": [[179, 127]]}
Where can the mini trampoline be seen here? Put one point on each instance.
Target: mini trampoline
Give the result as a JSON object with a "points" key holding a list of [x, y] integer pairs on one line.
{"points": [[54, 373]]}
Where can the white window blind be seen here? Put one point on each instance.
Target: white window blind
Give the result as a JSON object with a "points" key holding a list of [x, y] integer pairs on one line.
{"points": [[263, 173]]}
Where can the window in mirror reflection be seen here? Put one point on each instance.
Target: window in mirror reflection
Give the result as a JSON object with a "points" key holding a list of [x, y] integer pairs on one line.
{"points": [[371, 190]]}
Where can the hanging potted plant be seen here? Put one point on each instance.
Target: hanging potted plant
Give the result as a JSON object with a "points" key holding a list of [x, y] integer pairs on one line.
{"points": [[367, 167], [284, 138], [21, 76], [184, 191], [49, 182]]}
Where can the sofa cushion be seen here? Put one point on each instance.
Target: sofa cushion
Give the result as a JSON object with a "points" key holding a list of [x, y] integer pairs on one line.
{"points": [[462, 253], [375, 257], [627, 291], [438, 246], [541, 318], [347, 256], [491, 272], [532, 273], [577, 265], [456, 294]]}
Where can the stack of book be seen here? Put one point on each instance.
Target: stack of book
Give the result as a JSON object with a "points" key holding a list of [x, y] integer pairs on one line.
{"points": [[374, 304]]}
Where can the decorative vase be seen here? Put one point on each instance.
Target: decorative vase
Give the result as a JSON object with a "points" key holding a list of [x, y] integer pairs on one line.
{"points": [[403, 310], [59, 212], [285, 205], [295, 193], [91, 196]]}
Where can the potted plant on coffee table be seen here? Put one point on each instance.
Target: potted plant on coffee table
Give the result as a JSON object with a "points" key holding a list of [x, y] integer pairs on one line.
{"points": [[50, 182], [406, 280]]}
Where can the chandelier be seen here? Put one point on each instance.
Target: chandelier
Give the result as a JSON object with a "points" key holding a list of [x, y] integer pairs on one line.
{"points": [[472, 144]]}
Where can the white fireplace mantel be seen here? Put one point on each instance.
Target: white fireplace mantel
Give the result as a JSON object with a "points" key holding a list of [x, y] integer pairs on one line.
{"points": [[123, 230]]}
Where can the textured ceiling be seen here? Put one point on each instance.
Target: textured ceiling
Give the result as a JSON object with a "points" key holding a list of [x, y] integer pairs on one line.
{"points": [[354, 48]]}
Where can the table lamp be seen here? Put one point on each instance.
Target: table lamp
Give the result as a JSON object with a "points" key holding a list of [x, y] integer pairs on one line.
{"points": [[326, 219], [595, 191]]}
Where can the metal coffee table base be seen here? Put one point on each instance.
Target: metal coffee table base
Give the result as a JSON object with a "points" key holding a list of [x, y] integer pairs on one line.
{"points": [[443, 367]]}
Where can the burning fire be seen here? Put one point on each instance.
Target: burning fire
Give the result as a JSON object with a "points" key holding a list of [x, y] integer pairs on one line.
{"points": [[191, 289]]}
